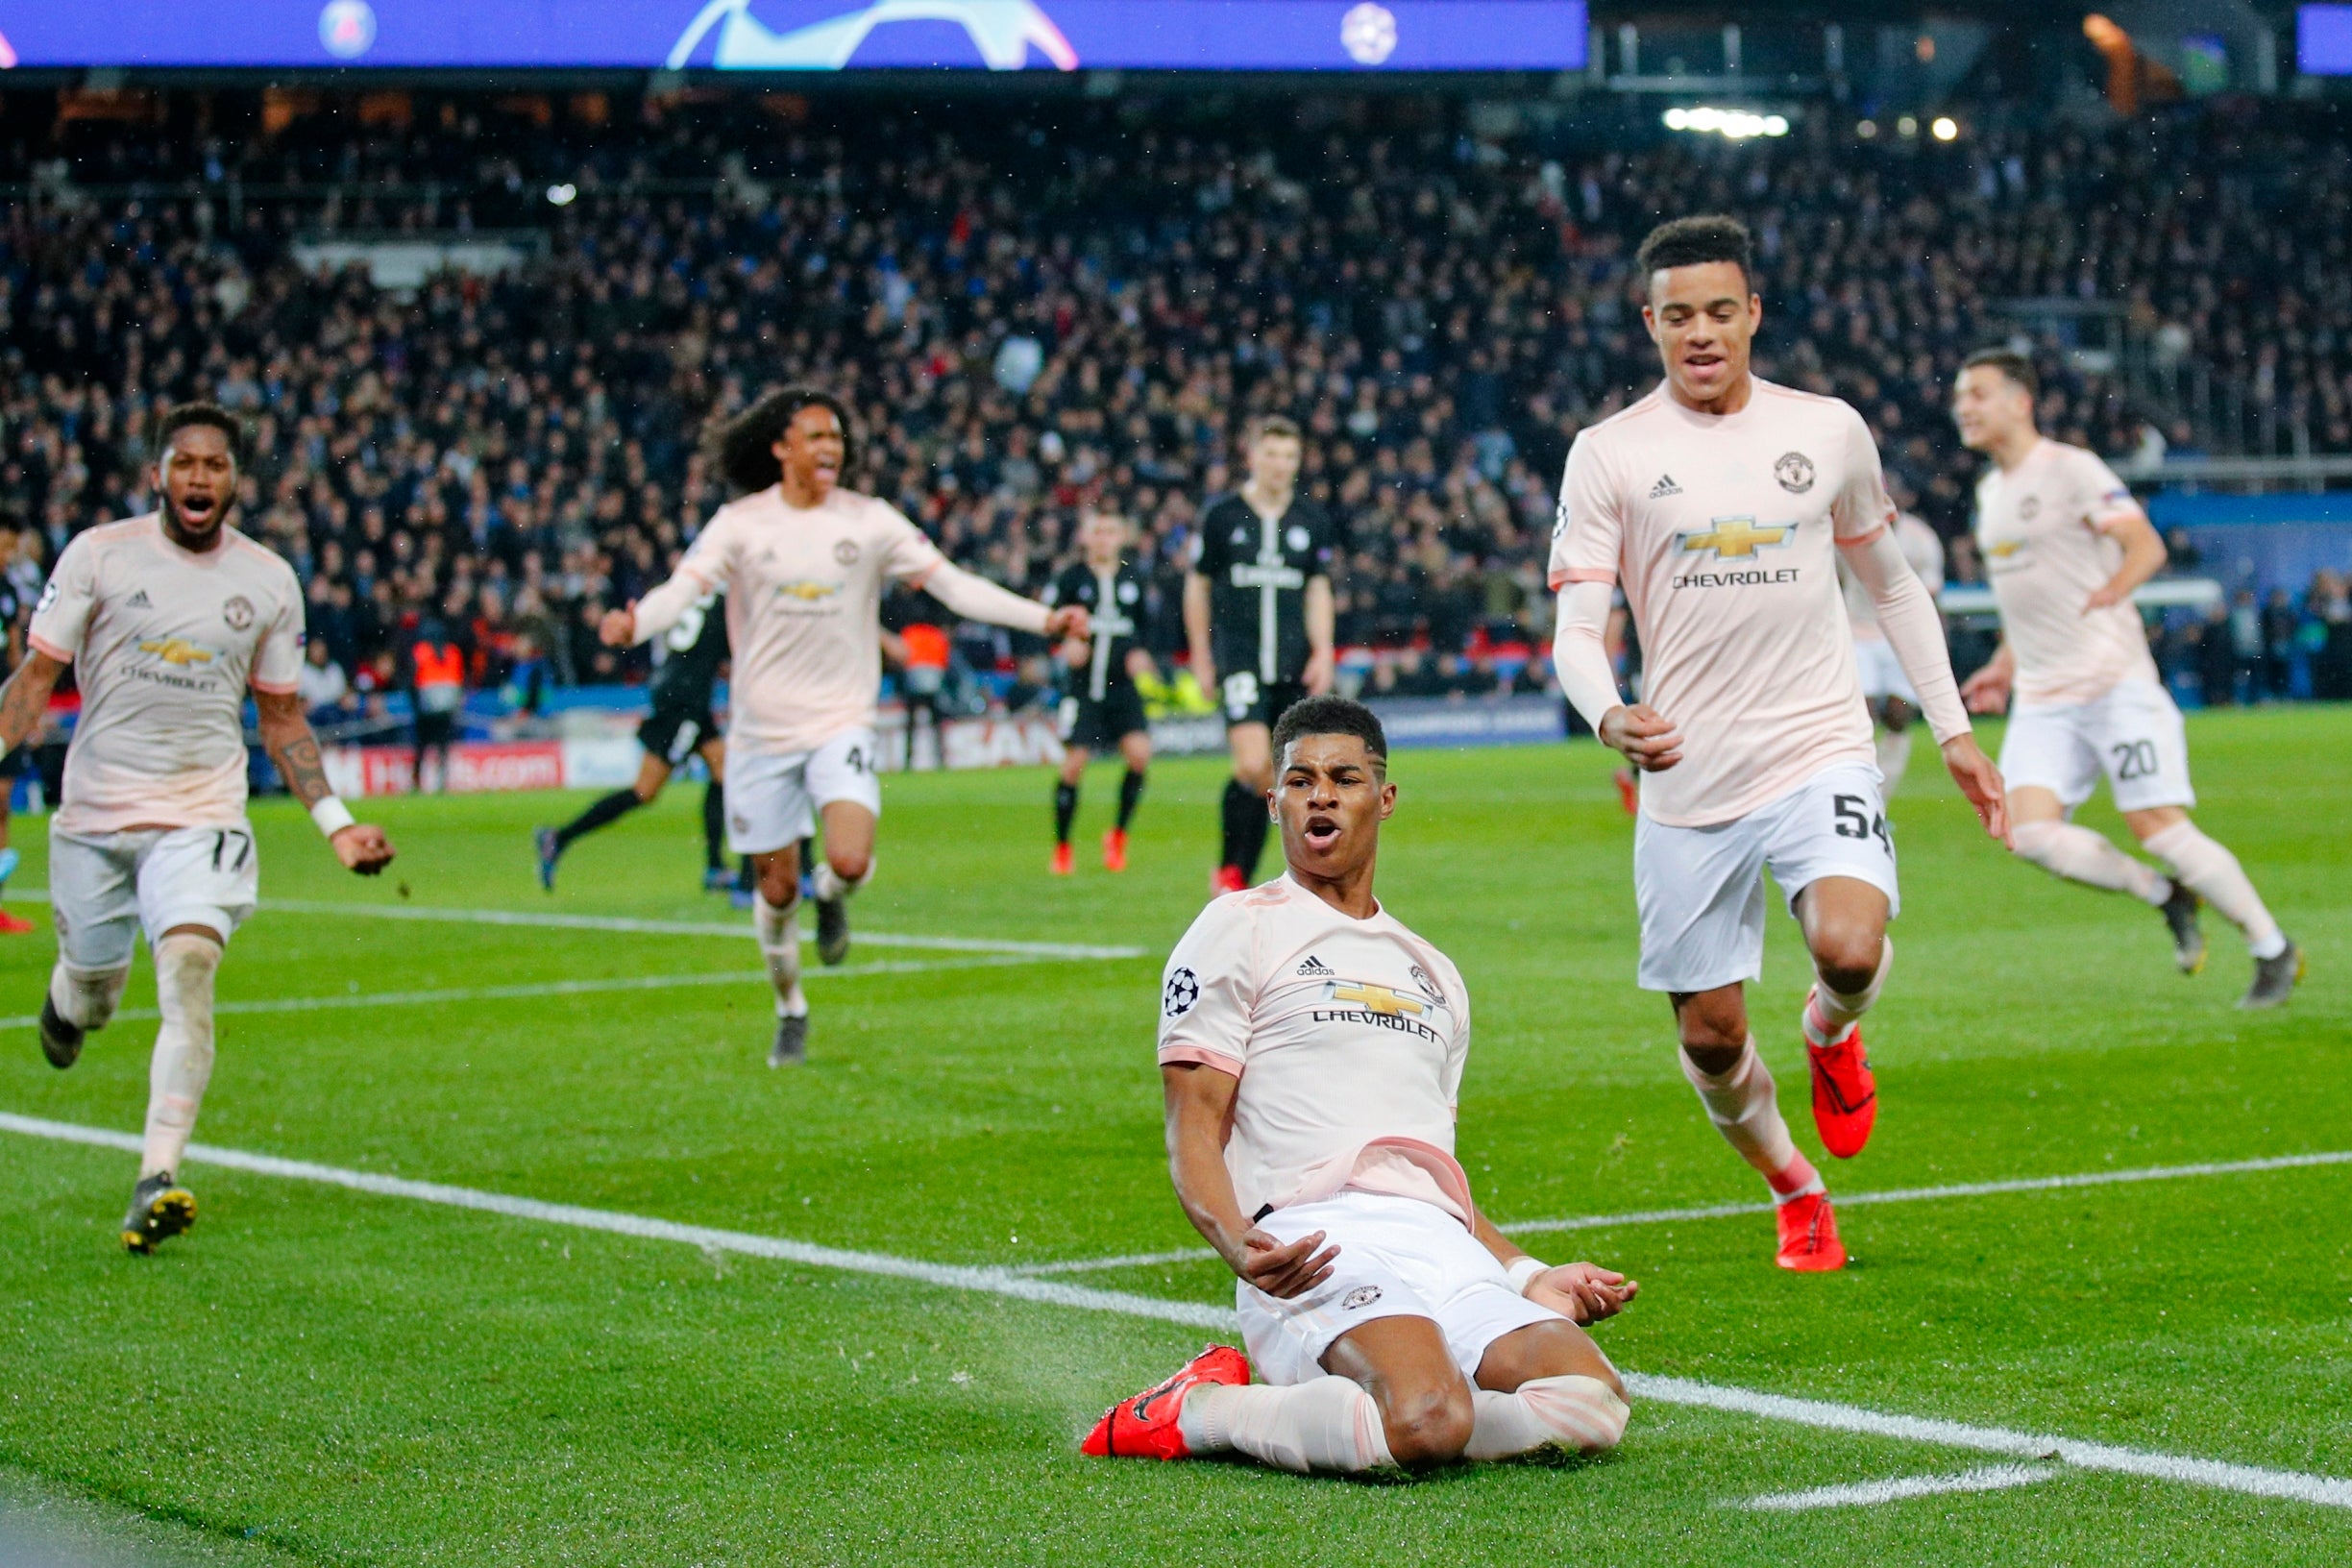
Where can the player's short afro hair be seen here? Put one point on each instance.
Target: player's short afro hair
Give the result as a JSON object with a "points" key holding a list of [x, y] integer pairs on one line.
{"points": [[743, 447], [205, 415], [1693, 242], [1331, 715]]}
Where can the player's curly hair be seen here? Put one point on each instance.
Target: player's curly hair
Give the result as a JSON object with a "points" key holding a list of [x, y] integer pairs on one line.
{"points": [[208, 415], [1695, 241], [1330, 714], [743, 447]]}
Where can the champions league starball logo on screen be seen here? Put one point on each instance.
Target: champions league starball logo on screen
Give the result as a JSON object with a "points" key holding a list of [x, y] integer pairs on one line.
{"points": [[346, 27], [1002, 30]]}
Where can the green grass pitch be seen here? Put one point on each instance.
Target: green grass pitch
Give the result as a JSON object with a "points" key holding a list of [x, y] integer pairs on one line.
{"points": [[317, 1375]]}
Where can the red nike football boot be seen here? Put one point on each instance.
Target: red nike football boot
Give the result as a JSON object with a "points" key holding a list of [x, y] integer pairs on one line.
{"points": [[1809, 1241], [1115, 849], [1629, 791], [1144, 1426], [11, 925], [1845, 1093], [1063, 860], [1228, 879]]}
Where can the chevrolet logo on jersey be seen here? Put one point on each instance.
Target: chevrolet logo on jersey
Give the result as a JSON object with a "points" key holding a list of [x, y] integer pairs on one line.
{"points": [[807, 590], [1737, 538], [1373, 998], [176, 650], [1365, 1004]]}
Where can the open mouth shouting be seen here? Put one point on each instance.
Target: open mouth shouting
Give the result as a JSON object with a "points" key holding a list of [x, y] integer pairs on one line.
{"points": [[1322, 832]]}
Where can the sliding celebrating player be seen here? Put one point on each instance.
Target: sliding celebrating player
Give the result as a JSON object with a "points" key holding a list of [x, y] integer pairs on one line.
{"points": [[1107, 709], [802, 562], [168, 619], [1259, 617], [1312, 1052], [1716, 500], [2064, 544]]}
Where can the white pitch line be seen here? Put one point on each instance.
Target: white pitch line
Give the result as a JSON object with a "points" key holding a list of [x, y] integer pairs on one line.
{"points": [[1844, 1200], [563, 988], [553, 919], [1991, 1478], [2252, 1481]]}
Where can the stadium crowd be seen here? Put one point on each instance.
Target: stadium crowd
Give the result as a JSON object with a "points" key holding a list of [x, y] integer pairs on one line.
{"points": [[1040, 309]]}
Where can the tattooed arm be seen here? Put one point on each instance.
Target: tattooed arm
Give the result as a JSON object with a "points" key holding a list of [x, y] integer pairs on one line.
{"points": [[25, 698], [362, 846]]}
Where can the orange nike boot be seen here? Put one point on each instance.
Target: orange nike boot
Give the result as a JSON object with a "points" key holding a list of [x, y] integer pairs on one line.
{"points": [[1228, 879], [1115, 849], [1063, 861], [1809, 1241], [12, 926], [1144, 1426], [1844, 1092]]}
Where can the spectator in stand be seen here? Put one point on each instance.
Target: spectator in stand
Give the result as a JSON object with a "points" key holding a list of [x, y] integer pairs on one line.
{"points": [[326, 690], [436, 680], [2327, 635]]}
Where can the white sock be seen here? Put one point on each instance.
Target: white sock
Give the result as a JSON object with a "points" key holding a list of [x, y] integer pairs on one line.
{"points": [[831, 885], [182, 1065], [2080, 855], [2212, 874], [1830, 1014], [1746, 1109], [87, 998], [1573, 1412], [1893, 749], [1323, 1424], [779, 943]]}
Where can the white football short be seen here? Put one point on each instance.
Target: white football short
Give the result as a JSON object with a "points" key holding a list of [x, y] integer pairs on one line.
{"points": [[105, 888], [1882, 673], [773, 801], [2134, 734], [1701, 890], [1397, 1258]]}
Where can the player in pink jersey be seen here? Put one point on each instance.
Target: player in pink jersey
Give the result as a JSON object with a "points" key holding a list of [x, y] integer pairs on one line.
{"points": [[803, 563], [1893, 703], [1722, 503], [168, 620], [2065, 546], [1311, 1054]]}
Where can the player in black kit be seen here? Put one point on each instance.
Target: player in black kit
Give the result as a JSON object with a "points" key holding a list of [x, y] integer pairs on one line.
{"points": [[1102, 707], [680, 724], [1258, 613]]}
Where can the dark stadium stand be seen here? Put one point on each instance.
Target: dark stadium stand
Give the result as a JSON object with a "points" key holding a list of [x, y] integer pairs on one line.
{"points": [[1039, 305]]}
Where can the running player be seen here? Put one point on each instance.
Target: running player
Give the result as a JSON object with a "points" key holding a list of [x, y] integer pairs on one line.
{"points": [[683, 724], [13, 610], [803, 563], [1106, 709], [2065, 546], [1716, 500], [1310, 1053], [1893, 703], [168, 620], [1258, 611]]}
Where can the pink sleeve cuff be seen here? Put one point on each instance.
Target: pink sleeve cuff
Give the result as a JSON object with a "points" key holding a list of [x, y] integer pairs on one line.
{"points": [[1579, 574], [45, 646], [1178, 1055], [274, 689]]}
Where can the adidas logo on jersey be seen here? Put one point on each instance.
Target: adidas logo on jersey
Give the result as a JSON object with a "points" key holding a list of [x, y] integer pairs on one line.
{"points": [[1317, 968], [1664, 488], [140, 601]]}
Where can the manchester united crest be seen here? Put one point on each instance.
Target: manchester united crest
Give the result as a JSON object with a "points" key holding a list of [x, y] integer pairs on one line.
{"points": [[239, 612], [1794, 472]]}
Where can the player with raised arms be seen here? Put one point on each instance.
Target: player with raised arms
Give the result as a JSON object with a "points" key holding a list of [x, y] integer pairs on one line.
{"points": [[802, 562], [1260, 618], [1311, 1054], [1722, 503], [2065, 546], [1107, 708], [169, 619]]}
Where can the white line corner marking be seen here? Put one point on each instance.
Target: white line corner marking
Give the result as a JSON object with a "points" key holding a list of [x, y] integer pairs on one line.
{"points": [[2252, 1481], [1990, 1478]]}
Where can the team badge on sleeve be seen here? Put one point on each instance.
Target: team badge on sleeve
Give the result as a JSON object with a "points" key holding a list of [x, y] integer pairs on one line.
{"points": [[1181, 991]]}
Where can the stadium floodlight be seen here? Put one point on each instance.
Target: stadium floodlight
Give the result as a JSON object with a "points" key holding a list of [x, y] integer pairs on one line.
{"points": [[1734, 123], [1944, 128], [562, 195]]}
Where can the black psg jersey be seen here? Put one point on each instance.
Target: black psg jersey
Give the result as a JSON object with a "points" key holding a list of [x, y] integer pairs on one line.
{"points": [[1115, 603], [1258, 569]]}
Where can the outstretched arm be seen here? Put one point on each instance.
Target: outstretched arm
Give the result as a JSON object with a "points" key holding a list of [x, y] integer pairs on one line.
{"points": [[285, 734], [976, 598], [26, 698], [1199, 1114]]}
